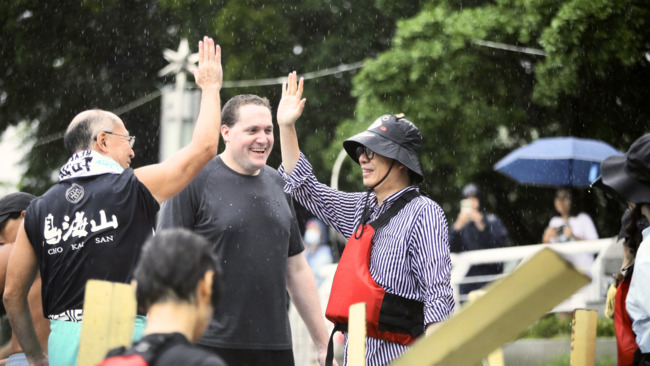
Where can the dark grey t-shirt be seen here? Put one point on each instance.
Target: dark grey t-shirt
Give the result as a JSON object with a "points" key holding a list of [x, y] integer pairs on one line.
{"points": [[251, 224]]}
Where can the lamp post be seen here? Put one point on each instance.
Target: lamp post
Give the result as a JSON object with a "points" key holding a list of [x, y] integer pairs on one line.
{"points": [[180, 102]]}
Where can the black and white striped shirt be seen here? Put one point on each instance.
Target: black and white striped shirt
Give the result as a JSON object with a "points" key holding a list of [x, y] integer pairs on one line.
{"points": [[410, 255]]}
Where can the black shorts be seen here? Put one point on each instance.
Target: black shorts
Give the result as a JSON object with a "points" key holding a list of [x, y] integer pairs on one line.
{"points": [[252, 357]]}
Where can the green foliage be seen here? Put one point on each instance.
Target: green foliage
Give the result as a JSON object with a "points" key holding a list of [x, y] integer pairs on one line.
{"points": [[474, 103], [59, 58], [550, 326], [605, 327], [559, 326]]}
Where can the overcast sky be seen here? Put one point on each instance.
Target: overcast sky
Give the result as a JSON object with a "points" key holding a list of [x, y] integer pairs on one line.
{"points": [[10, 155]]}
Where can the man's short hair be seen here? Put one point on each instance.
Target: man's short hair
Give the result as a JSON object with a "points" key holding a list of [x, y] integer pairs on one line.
{"points": [[86, 125], [172, 263], [230, 111]]}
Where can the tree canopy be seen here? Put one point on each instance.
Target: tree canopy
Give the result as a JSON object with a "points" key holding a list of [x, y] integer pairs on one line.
{"points": [[59, 58], [570, 68]]}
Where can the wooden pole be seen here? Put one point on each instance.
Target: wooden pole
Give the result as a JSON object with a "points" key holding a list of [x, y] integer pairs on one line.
{"points": [[583, 337], [109, 316], [357, 335]]}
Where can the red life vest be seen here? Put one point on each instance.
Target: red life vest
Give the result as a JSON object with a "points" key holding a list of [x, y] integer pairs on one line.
{"points": [[625, 337], [388, 316]]}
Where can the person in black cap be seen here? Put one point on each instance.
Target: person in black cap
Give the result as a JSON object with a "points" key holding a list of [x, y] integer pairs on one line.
{"points": [[12, 211], [475, 229], [397, 249], [628, 177]]}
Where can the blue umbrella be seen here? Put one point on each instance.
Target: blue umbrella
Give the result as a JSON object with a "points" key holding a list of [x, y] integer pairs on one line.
{"points": [[556, 162]]}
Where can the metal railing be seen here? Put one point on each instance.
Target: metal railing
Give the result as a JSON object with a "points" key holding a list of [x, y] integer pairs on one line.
{"points": [[607, 258]]}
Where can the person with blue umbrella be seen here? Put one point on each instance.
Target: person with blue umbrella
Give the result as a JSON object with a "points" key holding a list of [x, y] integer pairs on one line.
{"points": [[569, 226]]}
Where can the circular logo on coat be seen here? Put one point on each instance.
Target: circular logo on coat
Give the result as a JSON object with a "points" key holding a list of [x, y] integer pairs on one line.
{"points": [[75, 193]]}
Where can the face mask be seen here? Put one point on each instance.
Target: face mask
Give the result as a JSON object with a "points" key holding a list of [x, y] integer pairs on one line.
{"points": [[312, 237]]}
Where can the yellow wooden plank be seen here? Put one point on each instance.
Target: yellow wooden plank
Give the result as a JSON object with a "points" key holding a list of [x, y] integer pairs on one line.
{"points": [[583, 337], [495, 358], [505, 311], [109, 316], [357, 335]]}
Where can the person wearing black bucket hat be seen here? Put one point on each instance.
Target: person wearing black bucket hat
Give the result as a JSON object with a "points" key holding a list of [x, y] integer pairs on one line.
{"points": [[628, 177], [397, 245]]}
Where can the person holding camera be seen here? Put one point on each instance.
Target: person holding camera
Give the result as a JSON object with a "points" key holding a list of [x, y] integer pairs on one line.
{"points": [[475, 229], [570, 226]]}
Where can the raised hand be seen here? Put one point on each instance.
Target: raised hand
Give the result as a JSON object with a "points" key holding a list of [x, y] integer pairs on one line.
{"points": [[291, 104], [209, 74]]}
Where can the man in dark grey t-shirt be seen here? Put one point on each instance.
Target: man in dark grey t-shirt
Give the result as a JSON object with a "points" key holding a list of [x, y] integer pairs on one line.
{"points": [[237, 202]]}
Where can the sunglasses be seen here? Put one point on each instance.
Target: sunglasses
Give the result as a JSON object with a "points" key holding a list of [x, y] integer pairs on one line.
{"points": [[364, 150], [130, 138]]}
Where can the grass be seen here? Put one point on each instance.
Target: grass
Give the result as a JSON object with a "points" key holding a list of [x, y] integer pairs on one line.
{"points": [[559, 326]]}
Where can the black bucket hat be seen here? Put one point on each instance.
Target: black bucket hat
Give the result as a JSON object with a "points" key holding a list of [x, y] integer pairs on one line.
{"points": [[628, 175], [392, 136], [14, 202]]}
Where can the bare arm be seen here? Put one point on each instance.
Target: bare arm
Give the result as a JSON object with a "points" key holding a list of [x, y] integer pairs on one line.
{"points": [[289, 110], [169, 177], [21, 272], [5, 252], [302, 288]]}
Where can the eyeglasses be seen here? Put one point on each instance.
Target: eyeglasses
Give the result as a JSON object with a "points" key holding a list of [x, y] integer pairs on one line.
{"points": [[364, 150], [130, 138]]}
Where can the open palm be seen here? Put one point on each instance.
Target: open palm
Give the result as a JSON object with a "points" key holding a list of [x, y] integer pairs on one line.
{"points": [[291, 104]]}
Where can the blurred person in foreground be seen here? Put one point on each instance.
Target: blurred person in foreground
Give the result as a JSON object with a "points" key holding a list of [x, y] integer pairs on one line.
{"points": [[397, 256], [238, 204], [569, 226], [178, 284], [476, 229], [628, 176], [12, 211], [93, 223]]}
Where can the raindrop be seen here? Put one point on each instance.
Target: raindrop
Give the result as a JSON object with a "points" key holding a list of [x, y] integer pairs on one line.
{"points": [[297, 49], [58, 62], [527, 65], [25, 15]]}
